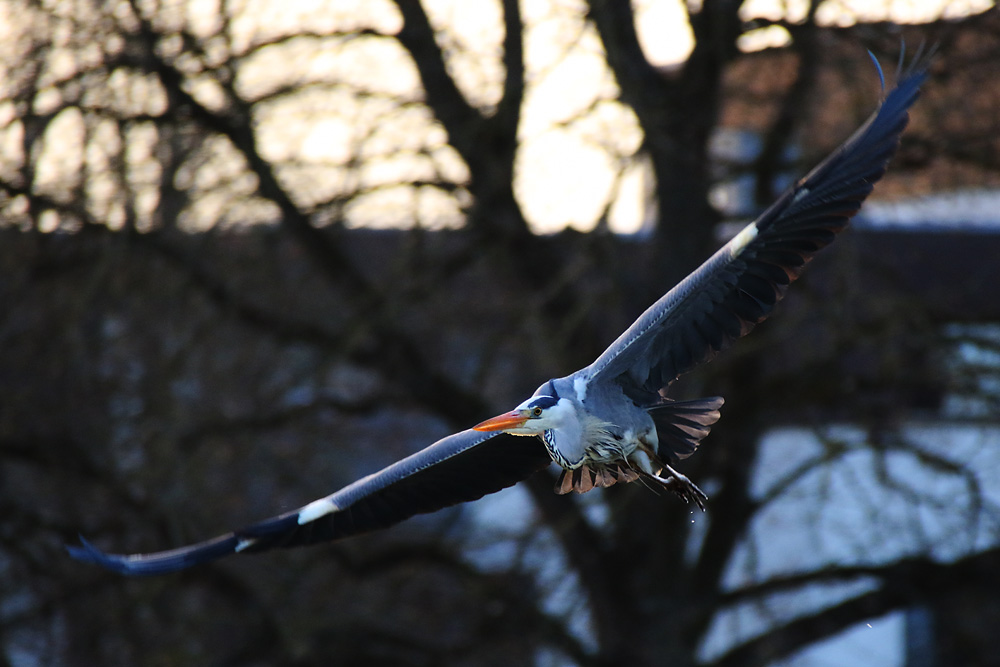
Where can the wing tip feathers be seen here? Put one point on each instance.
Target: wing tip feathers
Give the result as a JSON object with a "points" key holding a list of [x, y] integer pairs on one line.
{"points": [[161, 562]]}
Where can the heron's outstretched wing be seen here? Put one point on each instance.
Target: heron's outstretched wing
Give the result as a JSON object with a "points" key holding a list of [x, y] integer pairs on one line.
{"points": [[459, 468], [739, 285]]}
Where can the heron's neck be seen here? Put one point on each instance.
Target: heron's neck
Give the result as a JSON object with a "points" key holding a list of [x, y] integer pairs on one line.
{"points": [[566, 435]]}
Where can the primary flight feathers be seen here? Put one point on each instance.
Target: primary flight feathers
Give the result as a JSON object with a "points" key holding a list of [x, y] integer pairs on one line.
{"points": [[606, 423]]}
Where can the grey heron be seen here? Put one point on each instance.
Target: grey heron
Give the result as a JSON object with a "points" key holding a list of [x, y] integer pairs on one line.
{"points": [[609, 422]]}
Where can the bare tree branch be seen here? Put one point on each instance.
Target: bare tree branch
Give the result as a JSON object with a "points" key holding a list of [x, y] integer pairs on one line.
{"points": [[487, 145], [905, 583], [806, 44]]}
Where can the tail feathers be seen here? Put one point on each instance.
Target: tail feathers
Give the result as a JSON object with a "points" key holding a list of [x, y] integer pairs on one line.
{"points": [[680, 425]]}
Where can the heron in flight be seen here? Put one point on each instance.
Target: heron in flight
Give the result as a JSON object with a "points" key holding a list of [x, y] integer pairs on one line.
{"points": [[609, 422]]}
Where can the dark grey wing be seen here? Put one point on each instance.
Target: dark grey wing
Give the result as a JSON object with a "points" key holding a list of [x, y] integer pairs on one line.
{"points": [[456, 469], [740, 284]]}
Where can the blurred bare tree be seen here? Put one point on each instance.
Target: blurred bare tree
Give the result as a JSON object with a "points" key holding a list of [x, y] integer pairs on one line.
{"points": [[245, 246]]}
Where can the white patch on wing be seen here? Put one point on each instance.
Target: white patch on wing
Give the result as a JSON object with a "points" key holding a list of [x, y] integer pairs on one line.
{"points": [[743, 239], [244, 543], [580, 387], [316, 509]]}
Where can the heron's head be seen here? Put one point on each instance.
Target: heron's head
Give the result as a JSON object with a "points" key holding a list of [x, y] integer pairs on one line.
{"points": [[533, 417]]}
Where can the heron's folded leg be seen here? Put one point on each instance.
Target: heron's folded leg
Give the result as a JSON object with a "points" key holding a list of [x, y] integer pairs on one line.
{"points": [[682, 486]]}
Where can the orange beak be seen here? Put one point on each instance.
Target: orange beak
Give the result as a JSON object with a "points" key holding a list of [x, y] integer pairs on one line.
{"points": [[507, 420]]}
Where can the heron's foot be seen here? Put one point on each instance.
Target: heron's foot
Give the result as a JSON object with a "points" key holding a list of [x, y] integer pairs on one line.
{"points": [[683, 487]]}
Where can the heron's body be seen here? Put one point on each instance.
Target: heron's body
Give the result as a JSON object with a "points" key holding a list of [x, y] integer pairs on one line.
{"points": [[600, 436], [609, 422], [591, 428]]}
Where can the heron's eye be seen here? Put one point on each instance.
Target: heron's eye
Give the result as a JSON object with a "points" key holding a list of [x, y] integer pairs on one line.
{"points": [[536, 412]]}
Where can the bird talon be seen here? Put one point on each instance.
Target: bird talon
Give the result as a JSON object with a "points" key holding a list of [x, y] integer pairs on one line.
{"points": [[683, 488]]}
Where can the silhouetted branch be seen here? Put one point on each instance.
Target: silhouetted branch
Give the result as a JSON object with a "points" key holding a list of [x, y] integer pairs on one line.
{"points": [[487, 145], [905, 583], [777, 138]]}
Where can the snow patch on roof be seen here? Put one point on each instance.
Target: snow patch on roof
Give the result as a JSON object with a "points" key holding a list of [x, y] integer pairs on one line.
{"points": [[977, 210]]}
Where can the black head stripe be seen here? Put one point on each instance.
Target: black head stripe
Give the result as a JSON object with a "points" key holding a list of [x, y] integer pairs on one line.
{"points": [[543, 402]]}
